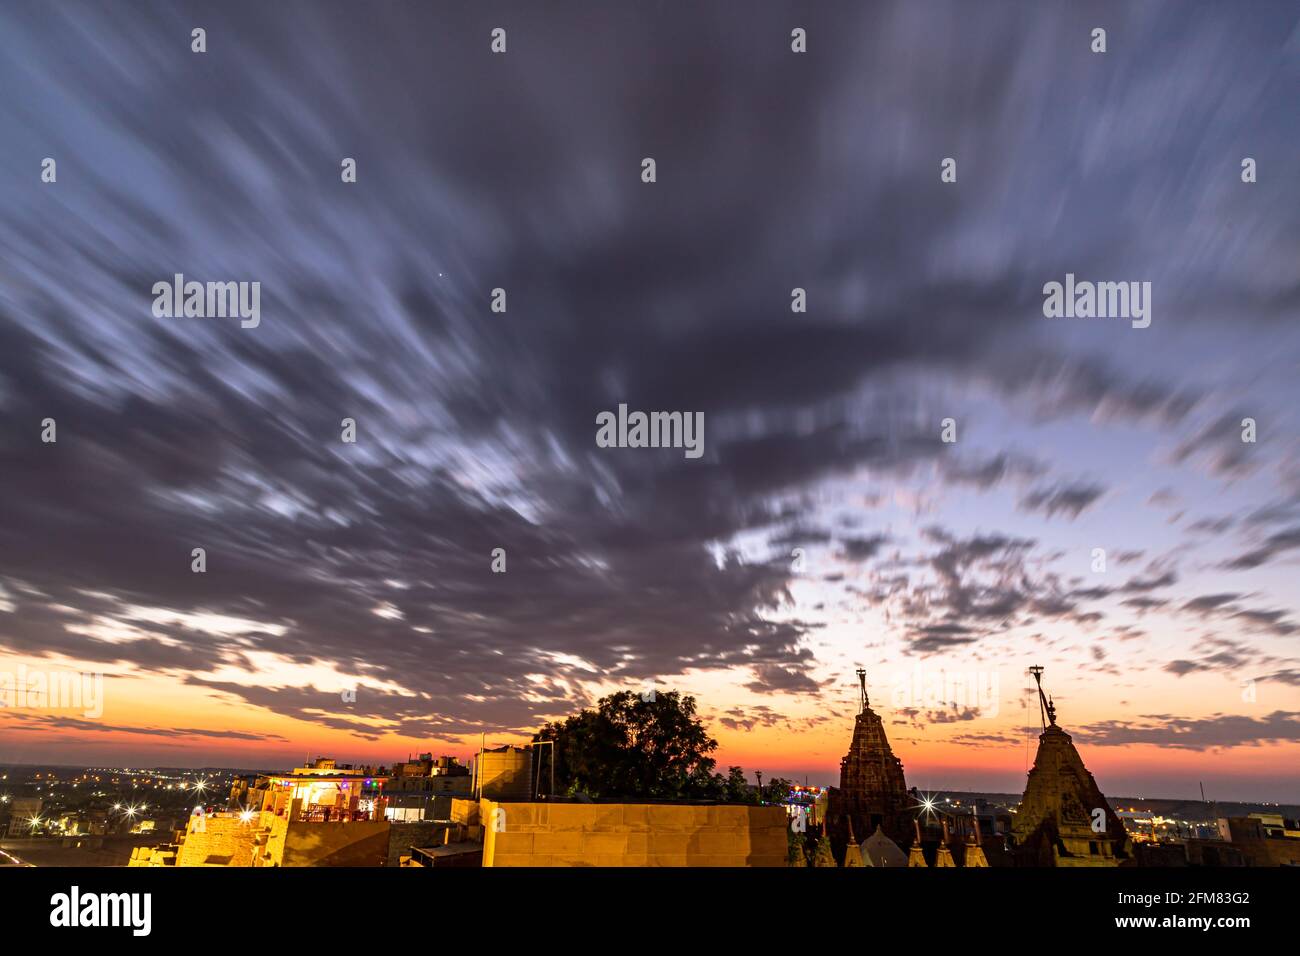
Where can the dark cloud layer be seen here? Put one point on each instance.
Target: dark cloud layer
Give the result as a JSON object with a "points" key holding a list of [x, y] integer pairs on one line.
{"points": [[1220, 730], [477, 429]]}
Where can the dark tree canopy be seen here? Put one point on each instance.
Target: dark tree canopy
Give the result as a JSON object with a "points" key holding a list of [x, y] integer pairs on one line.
{"points": [[777, 790], [632, 747]]}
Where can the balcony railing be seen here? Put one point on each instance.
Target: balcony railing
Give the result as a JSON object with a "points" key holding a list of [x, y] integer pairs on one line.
{"points": [[333, 815]]}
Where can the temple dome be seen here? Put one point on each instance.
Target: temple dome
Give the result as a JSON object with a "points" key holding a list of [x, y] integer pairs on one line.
{"points": [[879, 850]]}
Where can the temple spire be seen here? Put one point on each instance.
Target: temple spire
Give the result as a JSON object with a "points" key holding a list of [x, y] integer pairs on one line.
{"points": [[1056, 822], [916, 855], [872, 791]]}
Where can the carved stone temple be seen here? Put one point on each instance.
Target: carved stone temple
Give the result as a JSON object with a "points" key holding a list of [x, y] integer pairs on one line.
{"points": [[1064, 820], [872, 793]]}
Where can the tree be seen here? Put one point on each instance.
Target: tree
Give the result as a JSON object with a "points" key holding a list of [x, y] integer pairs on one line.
{"points": [[632, 747], [822, 855], [777, 790], [796, 854], [704, 785], [736, 788]]}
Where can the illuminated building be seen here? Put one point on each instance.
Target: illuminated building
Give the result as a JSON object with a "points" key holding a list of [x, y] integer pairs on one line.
{"points": [[320, 793], [412, 774], [321, 815], [22, 811], [1263, 839], [422, 789]]}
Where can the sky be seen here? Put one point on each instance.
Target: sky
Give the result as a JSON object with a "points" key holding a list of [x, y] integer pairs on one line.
{"points": [[827, 525]]}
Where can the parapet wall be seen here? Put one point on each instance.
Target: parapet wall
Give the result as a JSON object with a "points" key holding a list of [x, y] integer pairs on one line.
{"points": [[576, 834], [355, 843], [223, 841]]}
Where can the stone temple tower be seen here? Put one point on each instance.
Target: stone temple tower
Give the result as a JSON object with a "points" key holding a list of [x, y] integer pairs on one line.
{"points": [[1064, 820], [872, 792]]}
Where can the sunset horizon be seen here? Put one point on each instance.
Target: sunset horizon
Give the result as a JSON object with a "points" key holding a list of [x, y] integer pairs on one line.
{"points": [[934, 762]]}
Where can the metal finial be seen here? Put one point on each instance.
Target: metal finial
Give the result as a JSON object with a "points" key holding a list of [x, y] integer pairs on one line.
{"points": [[1044, 708]]}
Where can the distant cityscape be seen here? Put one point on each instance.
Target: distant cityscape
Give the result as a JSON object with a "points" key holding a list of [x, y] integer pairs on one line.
{"points": [[500, 807]]}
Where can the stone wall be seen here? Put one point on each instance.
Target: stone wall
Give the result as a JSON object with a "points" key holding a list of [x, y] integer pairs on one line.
{"points": [[355, 843], [577, 834], [403, 836], [465, 812], [153, 856], [223, 841]]}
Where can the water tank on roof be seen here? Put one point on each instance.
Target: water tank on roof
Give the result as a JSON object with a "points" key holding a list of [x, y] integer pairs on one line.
{"points": [[506, 773]]}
